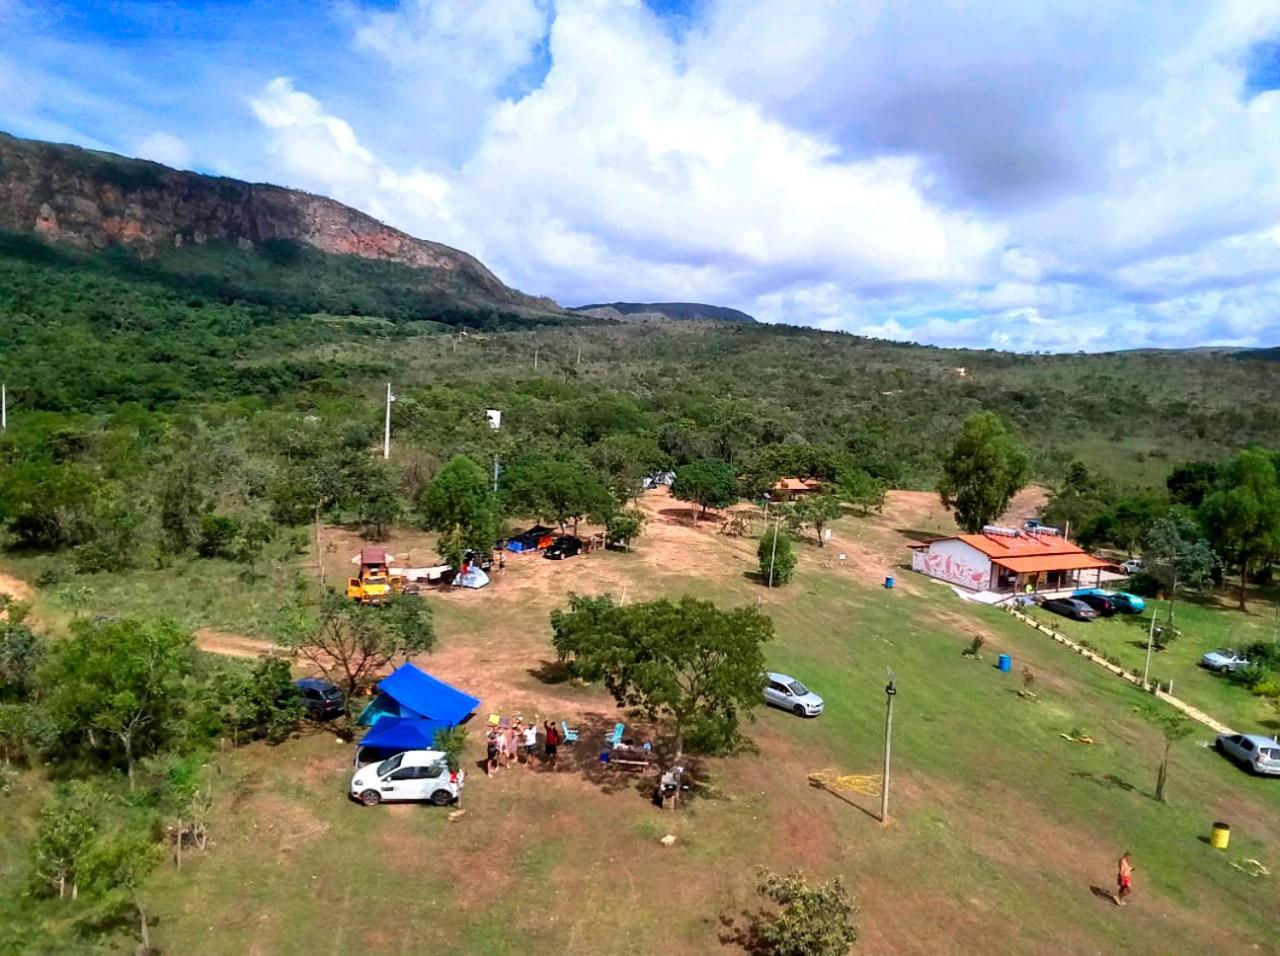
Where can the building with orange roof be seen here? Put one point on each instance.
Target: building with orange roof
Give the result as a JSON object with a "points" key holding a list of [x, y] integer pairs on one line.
{"points": [[1007, 560], [786, 488]]}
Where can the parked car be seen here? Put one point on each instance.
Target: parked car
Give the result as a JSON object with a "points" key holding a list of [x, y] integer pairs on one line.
{"points": [[565, 546], [789, 694], [1260, 754], [1224, 660], [320, 699], [1132, 566], [1101, 603], [415, 775], [1123, 600], [1073, 608]]}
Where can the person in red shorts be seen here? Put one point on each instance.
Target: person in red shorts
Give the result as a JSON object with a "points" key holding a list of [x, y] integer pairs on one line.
{"points": [[1124, 878]]}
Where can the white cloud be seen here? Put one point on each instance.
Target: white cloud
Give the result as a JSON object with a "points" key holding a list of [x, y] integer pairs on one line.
{"points": [[164, 148]]}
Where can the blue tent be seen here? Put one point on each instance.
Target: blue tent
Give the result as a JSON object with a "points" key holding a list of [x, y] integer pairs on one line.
{"points": [[409, 692], [403, 733]]}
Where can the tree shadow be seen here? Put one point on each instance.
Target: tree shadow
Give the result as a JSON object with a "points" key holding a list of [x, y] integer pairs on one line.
{"points": [[1110, 781], [551, 672], [914, 534], [819, 785], [743, 931]]}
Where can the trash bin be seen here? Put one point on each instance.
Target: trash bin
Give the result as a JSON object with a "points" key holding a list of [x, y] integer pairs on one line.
{"points": [[1006, 663], [888, 582], [1220, 836]]}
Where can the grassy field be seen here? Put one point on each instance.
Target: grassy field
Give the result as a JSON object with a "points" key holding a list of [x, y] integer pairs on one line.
{"points": [[1205, 627], [1003, 834]]}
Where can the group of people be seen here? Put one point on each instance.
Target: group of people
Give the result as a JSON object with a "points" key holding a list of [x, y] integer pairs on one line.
{"points": [[519, 739]]}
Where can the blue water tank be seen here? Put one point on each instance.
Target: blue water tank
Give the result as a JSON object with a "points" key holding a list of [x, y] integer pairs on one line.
{"points": [[888, 582], [1006, 663]]}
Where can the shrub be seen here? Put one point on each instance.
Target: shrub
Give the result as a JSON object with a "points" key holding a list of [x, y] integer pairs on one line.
{"points": [[1250, 676], [217, 536], [811, 920], [782, 558], [453, 741], [1266, 653], [975, 647]]}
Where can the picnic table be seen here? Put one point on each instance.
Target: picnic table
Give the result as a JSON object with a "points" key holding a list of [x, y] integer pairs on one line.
{"points": [[630, 757]]}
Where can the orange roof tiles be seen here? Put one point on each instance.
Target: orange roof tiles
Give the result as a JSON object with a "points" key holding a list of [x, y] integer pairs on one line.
{"points": [[997, 546], [1051, 562]]}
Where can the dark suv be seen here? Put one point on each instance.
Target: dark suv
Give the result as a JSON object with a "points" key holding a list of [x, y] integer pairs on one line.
{"points": [[320, 699]]}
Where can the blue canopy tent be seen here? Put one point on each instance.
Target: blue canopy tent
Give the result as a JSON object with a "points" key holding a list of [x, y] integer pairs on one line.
{"points": [[395, 735], [410, 692]]}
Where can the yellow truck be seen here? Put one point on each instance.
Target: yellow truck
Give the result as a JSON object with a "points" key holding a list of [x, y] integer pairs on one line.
{"points": [[374, 584]]}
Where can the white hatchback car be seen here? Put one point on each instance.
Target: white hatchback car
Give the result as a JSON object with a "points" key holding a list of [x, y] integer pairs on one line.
{"points": [[412, 775], [789, 694]]}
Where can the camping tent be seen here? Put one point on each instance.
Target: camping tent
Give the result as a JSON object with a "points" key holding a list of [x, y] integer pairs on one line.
{"points": [[471, 577], [395, 735], [530, 540], [409, 692]]}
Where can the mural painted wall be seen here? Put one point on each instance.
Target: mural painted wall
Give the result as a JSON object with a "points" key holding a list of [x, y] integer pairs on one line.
{"points": [[954, 562]]}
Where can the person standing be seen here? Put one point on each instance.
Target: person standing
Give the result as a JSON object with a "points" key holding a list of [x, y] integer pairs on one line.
{"points": [[491, 751], [552, 742], [1124, 878], [529, 737]]}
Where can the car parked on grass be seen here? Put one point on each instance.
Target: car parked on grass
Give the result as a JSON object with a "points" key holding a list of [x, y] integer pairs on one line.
{"points": [[415, 775], [1258, 753], [1132, 566], [320, 699], [1071, 607], [1224, 660], [565, 546], [1101, 603], [781, 690], [1124, 601]]}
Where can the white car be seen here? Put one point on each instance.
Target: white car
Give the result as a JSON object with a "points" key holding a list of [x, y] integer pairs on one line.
{"points": [[1132, 566], [789, 694], [412, 775]]}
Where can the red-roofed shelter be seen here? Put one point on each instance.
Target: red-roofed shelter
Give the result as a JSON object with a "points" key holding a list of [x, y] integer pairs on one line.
{"points": [[1008, 560]]}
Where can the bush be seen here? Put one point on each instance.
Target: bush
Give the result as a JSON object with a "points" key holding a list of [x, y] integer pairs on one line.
{"points": [[453, 742], [812, 920], [1266, 653], [975, 647], [1250, 676], [254, 703], [782, 559], [218, 535]]}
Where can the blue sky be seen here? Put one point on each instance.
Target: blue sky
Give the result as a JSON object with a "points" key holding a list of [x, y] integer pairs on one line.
{"points": [[1041, 176]]}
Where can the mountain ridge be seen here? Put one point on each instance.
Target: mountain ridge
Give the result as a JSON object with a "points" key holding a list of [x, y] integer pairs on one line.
{"points": [[94, 200], [677, 311]]}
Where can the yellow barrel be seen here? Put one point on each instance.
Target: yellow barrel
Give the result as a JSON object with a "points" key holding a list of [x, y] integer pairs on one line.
{"points": [[1220, 836]]}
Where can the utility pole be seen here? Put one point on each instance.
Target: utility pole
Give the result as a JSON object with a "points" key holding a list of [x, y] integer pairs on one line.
{"points": [[579, 362], [773, 552], [1151, 636], [4, 409], [386, 434], [535, 358], [495, 474], [889, 691]]}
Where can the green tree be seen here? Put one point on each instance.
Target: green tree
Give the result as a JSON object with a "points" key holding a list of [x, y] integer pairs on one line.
{"points": [[707, 483], [46, 505], [64, 839], [452, 742], [625, 525], [776, 556], [1191, 483], [688, 661], [117, 687], [380, 506], [1078, 500], [179, 500], [863, 491], [22, 651], [556, 489], [811, 920], [1174, 726], [461, 507], [815, 511], [254, 702], [625, 459], [246, 548], [218, 535], [982, 472], [350, 644], [1124, 522], [1242, 516], [1177, 556]]}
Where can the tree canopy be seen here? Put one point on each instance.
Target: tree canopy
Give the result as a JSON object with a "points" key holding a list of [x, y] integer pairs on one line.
{"points": [[460, 505], [982, 472], [1242, 516], [707, 483], [687, 660]]}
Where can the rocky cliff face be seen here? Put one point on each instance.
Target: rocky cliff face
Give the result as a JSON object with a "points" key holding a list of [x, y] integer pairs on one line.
{"points": [[93, 200]]}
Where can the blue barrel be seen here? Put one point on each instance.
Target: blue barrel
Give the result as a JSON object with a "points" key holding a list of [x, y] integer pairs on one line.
{"points": [[1006, 663], [888, 582]]}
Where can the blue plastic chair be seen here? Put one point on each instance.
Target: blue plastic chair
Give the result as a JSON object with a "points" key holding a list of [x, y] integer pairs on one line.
{"points": [[615, 738], [570, 736]]}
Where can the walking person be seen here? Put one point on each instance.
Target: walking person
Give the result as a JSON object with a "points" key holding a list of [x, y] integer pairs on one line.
{"points": [[552, 742], [1124, 878]]}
